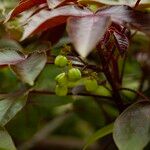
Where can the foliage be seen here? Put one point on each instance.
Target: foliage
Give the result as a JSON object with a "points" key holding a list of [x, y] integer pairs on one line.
{"points": [[86, 61]]}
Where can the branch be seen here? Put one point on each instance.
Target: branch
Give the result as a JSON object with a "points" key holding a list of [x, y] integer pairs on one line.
{"points": [[136, 92], [104, 98]]}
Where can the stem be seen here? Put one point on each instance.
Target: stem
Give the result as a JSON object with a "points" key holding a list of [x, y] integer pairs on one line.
{"points": [[137, 3], [123, 68], [136, 92], [115, 94], [107, 98], [142, 82]]}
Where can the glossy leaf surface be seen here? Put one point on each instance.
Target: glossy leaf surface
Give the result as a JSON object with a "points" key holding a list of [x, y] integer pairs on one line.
{"points": [[48, 19], [86, 32], [131, 129]]}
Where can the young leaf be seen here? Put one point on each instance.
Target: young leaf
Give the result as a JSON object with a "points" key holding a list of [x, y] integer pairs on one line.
{"points": [[30, 68], [10, 57], [6, 142], [125, 14], [99, 134], [131, 129], [85, 32], [10, 106], [48, 19], [121, 41]]}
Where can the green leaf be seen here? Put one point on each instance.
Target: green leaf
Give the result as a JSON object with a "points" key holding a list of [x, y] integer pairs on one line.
{"points": [[10, 106], [29, 69], [10, 44], [6, 142], [131, 129], [99, 134]]}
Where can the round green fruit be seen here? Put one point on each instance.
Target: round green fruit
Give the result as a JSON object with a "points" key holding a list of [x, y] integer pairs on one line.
{"points": [[61, 90], [74, 74], [91, 85], [61, 61], [61, 79]]}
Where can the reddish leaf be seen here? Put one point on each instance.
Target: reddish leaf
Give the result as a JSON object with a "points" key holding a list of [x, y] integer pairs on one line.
{"points": [[54, 3], [125, 14], [23, 5], [122, 42], [48, 19], [53, 34], [86, 32]]}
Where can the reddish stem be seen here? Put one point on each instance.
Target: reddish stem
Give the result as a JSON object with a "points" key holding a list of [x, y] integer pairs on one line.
{"points": [[137, 3]]}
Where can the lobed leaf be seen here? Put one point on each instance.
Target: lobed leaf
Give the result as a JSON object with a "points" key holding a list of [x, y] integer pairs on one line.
{"points": [[131, 129], [30, 68], [6, 142], [85, 32], [48, 19]]}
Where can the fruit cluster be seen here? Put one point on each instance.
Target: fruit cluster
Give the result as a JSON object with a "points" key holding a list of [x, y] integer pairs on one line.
{"points": [[72, 78], [64, 79]]}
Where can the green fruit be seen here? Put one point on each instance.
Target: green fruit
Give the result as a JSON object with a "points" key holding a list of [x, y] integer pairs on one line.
{"points": [[61, 90], [91, 85], [61, 61], [61, 79], [74, 74]]}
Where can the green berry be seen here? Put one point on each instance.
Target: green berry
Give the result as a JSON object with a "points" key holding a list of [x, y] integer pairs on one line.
{"points": [[74, 74], [61, 79], [61, 90], [61, 61], [91, 85]]}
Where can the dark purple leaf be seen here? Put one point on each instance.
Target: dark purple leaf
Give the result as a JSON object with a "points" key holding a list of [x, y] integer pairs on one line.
{"points": [[121, 41]]}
